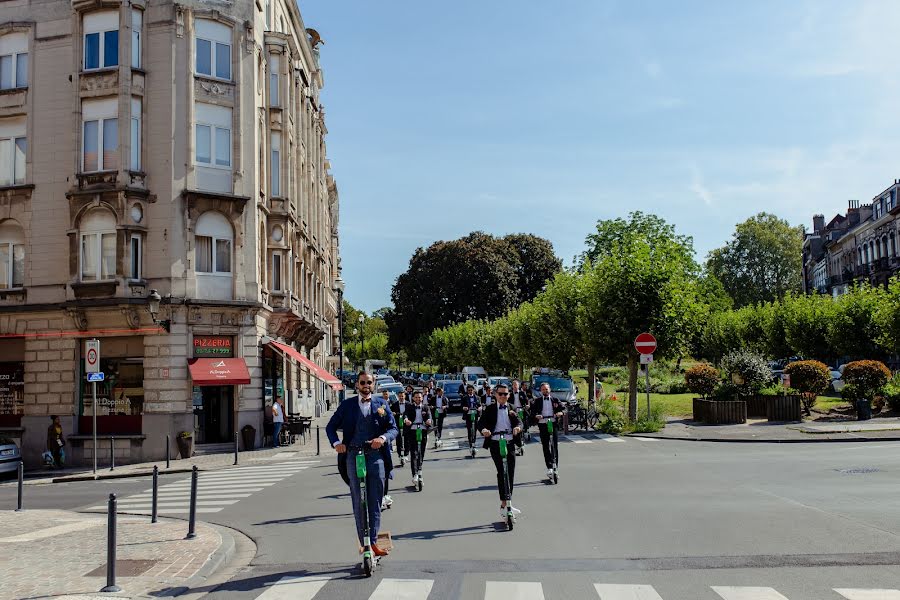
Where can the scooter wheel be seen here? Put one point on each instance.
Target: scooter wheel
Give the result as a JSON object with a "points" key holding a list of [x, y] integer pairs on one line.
{"points": [[509, 522], [402, 462], [555, 478], [419, 484], [368, 566]]}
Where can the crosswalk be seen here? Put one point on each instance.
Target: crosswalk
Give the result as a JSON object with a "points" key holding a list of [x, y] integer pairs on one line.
{"points": [[310, 587], [589, 438], [215, 490]]}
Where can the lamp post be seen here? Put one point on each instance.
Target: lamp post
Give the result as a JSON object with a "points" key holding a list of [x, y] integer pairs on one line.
{"points": [[339, 288], [362, 336], [153, 301]]}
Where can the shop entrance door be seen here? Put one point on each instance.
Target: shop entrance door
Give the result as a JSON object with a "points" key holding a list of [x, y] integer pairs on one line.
{"points": [[216, 415]]}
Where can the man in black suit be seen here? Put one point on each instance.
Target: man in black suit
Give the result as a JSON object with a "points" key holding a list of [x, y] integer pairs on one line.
{"points": [[470, 402], [399, 409], [498, 417], [519, 400], [417, 414], [545, 406]]}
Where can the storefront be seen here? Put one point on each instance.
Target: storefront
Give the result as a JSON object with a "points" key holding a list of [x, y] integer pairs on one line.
{"points": [[12, 383], [120, 397], [214, 374]]}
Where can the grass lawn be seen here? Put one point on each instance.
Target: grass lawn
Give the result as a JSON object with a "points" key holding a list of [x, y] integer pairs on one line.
{"points": [[826, 403], [672, 405]]}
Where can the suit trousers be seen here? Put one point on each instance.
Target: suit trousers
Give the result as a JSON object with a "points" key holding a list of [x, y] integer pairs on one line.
{"points": [[440, 422], [374, 493], [545, 443], [416, 451], [402, 449], [511, 468]]}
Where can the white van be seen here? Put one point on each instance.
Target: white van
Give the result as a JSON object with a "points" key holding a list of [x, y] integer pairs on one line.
{"points": [[471, 374]]}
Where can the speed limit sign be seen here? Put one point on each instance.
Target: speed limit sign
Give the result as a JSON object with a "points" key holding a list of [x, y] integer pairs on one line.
{"points": [[92, 356]]}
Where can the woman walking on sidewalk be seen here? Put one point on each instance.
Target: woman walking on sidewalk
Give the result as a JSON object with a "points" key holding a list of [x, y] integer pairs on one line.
{"points": [[56, 442]]}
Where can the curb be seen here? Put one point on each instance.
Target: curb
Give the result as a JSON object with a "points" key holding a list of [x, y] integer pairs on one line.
{"points": [[769, 441]]}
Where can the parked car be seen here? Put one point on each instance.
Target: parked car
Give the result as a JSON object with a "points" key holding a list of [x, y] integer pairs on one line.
{"points": [[495, 381], [471, 374], [837, 381], [391, 386], [561, 387], [10, 457], [451, 392]]}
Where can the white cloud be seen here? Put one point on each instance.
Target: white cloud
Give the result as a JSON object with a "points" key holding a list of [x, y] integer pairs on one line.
{"points": [[698, 187]]}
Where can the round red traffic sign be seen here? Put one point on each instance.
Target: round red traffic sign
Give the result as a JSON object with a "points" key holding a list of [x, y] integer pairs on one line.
{"points": [[645, 343], [92, 357]]}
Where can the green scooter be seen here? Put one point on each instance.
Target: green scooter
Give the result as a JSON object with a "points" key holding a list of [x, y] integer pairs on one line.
{"points": [[554, 449], [504, 438], [369, 558]]}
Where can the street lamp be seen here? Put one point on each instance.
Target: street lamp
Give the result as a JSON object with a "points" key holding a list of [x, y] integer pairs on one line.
{"points": [[153, 301], [362, 336], [339, 288]]}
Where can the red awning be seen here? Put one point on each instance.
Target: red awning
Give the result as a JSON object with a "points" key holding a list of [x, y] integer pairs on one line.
{"points": [[218, 371], [317, 371]]}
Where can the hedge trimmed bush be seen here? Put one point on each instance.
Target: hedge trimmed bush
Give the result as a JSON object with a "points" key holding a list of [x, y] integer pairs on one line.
{"points": [[811, 378], [752, 368], [868, 377], [702, 379]]}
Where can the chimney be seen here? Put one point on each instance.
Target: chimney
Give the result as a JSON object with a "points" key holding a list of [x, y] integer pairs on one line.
{"points": [[852, 205], [818, 223]]}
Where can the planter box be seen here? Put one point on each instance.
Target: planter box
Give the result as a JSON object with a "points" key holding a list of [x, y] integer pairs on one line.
{"points": [[757, 406], [783, 408], [720, 412], [185, 446]]}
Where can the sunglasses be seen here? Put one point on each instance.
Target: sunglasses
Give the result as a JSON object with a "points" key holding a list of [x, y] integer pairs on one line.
{"points": [[503, 394], [364, 382]]}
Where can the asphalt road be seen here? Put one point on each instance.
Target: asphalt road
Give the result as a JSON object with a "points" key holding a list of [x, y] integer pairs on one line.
{"points": [[685, 520]]}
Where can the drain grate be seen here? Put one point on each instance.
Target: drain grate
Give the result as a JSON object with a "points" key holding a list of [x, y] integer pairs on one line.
{"points": [[857, 470], [125, 568]]}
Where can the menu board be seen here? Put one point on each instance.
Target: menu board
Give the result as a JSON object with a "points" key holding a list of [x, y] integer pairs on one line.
{"points": [[12, 388]]}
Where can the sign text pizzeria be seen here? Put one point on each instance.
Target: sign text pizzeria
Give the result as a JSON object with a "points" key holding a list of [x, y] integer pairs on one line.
{"points": [[213, 345]]}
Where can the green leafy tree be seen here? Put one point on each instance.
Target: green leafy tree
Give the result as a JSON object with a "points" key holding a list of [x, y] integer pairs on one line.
{"points": [[806, 319], [887, 318], [611, 235], [810, 378], [702, 379], [867, 378], [536, 263], [762, 262], [853, 328]]}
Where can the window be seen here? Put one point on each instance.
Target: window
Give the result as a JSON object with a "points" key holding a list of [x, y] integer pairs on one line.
{"points": [[100, 136], [213, 136], [101, 40], [12, 151], [136, 256], [135, 159], [276, 272], [98, 246], [13, 61], [276, 164], [12, 255], [268, 15], [213, 49], [137, 21], [274, 64], [212, 242]]}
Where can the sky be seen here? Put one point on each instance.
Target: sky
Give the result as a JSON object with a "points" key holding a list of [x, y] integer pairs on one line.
{"points": [[544, 117]]}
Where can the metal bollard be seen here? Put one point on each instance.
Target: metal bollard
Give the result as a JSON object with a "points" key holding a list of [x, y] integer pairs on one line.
{"points": [[155, 493], [112, 453], [111, 547], [235, 447], [192, 519], [318, 442], [168, 445], [21, 492]]}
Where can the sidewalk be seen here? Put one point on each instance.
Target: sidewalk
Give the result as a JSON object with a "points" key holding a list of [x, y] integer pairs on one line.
{"points": [[765, 432], [54, 552]]}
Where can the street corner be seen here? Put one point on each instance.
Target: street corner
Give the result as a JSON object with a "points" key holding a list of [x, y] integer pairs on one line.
{"points": [[151, 558]]}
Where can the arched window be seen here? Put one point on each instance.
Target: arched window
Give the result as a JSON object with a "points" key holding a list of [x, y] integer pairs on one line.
{"points": [[213, 240], [12, 255], [98, 246]]}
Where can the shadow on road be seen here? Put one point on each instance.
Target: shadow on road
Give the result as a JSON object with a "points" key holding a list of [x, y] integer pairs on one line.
{"points": [[441, 533], [304, 519], [493, 487]]}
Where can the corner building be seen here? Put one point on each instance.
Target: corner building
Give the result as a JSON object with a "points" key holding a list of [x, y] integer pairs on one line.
{"points": [[170, 146]]}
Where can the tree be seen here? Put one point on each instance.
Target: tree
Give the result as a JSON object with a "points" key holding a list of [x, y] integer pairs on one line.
{"points": [[612, 235], [702, 379], [536, 265], [811, 378], [762, 262], [475, 277], [853, 328]]}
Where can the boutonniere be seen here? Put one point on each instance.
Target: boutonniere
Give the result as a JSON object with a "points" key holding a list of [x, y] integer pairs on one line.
{"points": [[380, 411]]}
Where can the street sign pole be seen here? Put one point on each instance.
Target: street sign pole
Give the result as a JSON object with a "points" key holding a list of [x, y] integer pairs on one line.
{"points": [[94, 427], [91, 366], [648, 390]]}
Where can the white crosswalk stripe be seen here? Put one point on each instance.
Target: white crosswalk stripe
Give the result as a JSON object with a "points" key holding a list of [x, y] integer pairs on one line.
{"points": [[851, 594], [402, 589], [614, 591], [609, 438], [513, 590], [295, 588], [215, 490], [747, 593]]}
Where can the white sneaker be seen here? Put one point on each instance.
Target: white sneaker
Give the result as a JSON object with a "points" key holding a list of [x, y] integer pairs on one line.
{"points": [[503, 512], [415, 477], [515, 511], [387, 501], [550, 472]]}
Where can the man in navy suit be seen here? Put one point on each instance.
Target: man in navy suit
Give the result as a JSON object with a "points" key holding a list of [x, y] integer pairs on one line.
{"points": [[367, 425]]}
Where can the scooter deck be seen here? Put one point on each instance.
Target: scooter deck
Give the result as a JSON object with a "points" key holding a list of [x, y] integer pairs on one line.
{"points": [[384, 541]]}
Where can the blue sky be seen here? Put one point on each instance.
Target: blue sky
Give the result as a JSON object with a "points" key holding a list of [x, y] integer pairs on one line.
{"points": [[543, 117]]}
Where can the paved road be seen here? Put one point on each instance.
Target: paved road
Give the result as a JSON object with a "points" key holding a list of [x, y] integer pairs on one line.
{"points": [[630, 520]]}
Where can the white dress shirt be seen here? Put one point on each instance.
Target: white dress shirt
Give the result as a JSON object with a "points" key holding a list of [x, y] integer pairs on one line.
{"points": [[418, 420], [503, 423], [547, 410]]}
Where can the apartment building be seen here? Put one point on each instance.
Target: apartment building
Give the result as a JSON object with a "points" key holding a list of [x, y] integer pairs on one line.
{"points": [[177, 147], [859, 246]]}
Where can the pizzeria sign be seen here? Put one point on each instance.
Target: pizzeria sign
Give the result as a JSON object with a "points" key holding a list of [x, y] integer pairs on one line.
{"points": [[213, 345]]}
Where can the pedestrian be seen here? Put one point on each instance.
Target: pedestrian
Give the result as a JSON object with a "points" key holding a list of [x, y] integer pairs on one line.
{"points": [[499, 417], [519, 400], [56, 442], [543, 407], [440, 407], [277, 422], [367, 425], [418, 414], [399, 409]]}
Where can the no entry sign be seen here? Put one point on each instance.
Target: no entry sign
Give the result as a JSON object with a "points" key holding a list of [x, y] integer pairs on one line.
{"points": [[645, 344]]}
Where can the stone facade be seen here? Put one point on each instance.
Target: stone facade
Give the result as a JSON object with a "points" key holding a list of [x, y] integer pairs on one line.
{"points": [[177, 147]]}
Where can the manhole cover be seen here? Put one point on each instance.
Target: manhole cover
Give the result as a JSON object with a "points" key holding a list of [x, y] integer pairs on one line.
{"points": [[857, 470], [125, 568]]}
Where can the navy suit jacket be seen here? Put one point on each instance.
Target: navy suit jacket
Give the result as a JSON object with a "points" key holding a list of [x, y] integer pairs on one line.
{"points": [[347, 415]]}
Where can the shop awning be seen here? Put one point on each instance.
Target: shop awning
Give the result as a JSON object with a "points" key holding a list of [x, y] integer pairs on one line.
{"points": [[218, 371], [317, 371]]}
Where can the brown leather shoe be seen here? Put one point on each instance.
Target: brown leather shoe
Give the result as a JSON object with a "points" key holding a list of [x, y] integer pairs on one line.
{"points": [[378, 551]]}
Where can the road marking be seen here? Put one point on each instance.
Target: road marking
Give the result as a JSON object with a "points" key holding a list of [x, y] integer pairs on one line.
{"points": [[207, 486], [513, 590], [176, 503], [284, 455], [644, 439], [295, 588], [200, 495], [609, 438], [615, 591], [161, 510], [869, 594], [402, 589], [42, 534], [747, 593]]}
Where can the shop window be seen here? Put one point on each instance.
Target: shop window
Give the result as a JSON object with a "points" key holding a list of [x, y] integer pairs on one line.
{"points": [[12, 392], [120, 394]]}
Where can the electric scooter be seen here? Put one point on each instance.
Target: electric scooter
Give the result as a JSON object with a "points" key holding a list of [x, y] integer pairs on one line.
{"points": [[437, 416], [369, 560], [554, 449], [417, 455], [504, 438], [401, 441], [520, 451], [473, 418]]}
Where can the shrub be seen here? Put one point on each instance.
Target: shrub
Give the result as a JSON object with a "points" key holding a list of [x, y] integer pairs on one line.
{"points": [[867, 376], [811, 378], [613, 421], [752, 368], [892, 393], [651, 423], [702, 379]]}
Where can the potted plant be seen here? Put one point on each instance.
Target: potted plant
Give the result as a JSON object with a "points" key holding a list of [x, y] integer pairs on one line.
{"points": [[810, 378], [866, 380], [701, 379], [248, 434], [185, 441]]}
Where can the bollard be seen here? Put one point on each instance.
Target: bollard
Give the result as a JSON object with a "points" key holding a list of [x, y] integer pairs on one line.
{"points": [[111, 547], [192, 519], [318, 442], [168, 445], [112, 453], [155, 493], [235, 447], [21, 493]]}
